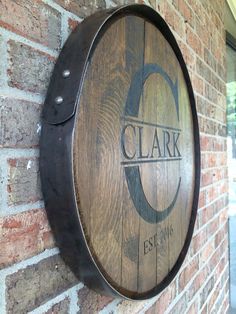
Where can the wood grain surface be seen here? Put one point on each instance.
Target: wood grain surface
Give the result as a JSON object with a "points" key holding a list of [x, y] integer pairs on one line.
{"points": [[132, 160]]}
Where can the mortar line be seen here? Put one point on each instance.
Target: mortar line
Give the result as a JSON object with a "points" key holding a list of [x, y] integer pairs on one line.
{"points": [[74, 307], [64, 28], [110, 4], [213, 136], [178, 297], [215, 284], [28, 262], [9, 35], [209, 221], [18, 209], [14, 93], [7, 153], [212, 119], [47, 305], [201, 267], [19, 266], [3, 185], [214, 184], [214, 200], [110, 307], [198, 253], [3, 62], [2, 295], [62, 10]]}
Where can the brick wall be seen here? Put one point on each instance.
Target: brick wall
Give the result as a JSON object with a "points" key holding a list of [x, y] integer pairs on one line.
{"points": [[32, 274]]}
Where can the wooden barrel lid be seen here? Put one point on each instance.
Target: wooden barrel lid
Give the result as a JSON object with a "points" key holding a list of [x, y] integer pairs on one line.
{"points": [[132, 154]]}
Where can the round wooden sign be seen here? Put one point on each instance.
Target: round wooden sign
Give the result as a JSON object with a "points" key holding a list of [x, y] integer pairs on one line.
{"points": [[120, 155]]}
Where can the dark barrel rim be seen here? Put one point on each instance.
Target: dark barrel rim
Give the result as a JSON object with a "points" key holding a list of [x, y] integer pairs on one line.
{"points": [[59, 129]]}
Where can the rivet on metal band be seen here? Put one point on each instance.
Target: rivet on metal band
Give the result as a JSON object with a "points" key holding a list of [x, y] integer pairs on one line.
{"points": [[58, 100], [66, 73]]}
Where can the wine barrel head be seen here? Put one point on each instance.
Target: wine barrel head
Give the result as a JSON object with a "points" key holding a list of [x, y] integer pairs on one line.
{"points": [[120, 153]]}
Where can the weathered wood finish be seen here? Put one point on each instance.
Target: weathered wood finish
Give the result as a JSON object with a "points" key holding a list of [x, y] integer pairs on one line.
{"points": [[120, 157], [116, 234]]}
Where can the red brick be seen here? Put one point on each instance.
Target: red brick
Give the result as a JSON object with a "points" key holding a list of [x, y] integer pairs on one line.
{"points": [[207, 251], [61, 307], [72, 24], [32, 19], [186, 12], [82, 8], [212, 175], [210, 59], [200, 104], [28, 288], [217, 22], [189, 57], [23, 181], [202, 199], [221, 71], [189, 271], [29, 69], [193, 308], [204, 159], [214, 45], [204, 310], [20, 123], [206, 178], [211, 93], [206, 214], [23, 235], [209, 143], [225, 306], [152, 3], [198, 84], [197, 9], [194, 41], [213, 226], [211, 193], [219, 144], [198, 241], [221, 100], [173, 19], [203, 29], [206, 143], [181, 305], [163, 302], [208, 286], [220, 235], [221, 266], [214, 112], [211, 161], [197, 283], [48, 239], [91, 302], [203, 70], [223, 217], [213, 298], [222, 159], [223, 187], [214, 260]]}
